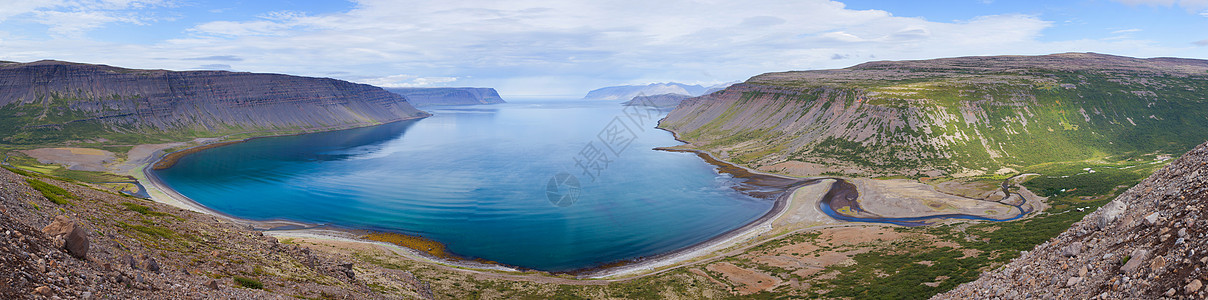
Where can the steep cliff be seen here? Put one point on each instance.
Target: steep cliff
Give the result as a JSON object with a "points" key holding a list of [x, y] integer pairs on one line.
{"points": [[1146, 244], [53, 101], [664, 100], [966, 116], [448, 96]]}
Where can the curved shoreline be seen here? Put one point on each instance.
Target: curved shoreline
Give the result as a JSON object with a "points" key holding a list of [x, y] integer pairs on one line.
{"points": [[782, 190], [785, 186]]}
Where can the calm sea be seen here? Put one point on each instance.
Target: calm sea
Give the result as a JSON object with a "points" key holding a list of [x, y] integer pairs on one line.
{"points": [[477, 178]]}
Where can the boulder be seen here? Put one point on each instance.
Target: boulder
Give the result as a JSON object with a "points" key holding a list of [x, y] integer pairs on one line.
{"points": [[1152, 219], [129, 261], [73, 238], [152, 265], [43, 291], [1072, 250], [1135, 260], [1110, 212]]}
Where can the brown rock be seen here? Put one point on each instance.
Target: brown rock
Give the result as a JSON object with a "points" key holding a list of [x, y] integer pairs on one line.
{"points": [[1193, 287], [77, 242], [213, 284], [74, 238], [1072, 250], [44, 291], [60, 226], [1135, 260], [152, 265], [1073, 281], [1157, 264], [129, 261]]}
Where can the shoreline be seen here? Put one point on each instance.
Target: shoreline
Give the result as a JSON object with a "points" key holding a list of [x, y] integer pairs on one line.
{"points": [[785, 186]]}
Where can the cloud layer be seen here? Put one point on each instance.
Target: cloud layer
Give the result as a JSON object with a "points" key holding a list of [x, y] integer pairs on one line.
{"points": [[545, 47]]}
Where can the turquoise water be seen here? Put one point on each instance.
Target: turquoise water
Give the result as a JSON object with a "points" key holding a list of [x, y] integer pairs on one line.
{"points": [[476, 179]]}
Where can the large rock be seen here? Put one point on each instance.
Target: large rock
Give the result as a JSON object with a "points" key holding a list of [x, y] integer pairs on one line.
{"points": [[1110, 212], [68, 235], [1135, 260]]}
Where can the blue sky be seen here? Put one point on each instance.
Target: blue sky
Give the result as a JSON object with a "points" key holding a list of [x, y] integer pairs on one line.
{"points": [[558, 47]]}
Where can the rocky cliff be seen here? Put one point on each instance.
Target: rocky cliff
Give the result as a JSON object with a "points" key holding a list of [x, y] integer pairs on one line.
{"points": [[1148, 243], [664, 100], [53, 101], [962, 116], [448, 96]]}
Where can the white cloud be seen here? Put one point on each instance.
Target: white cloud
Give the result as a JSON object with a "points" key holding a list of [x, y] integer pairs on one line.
{"points": [[1200, 43], [1126, 31], [1189, 5], [74, 17], [567, 47]]}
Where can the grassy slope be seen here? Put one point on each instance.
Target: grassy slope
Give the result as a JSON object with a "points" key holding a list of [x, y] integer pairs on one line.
{"points": [[1025, 121]]}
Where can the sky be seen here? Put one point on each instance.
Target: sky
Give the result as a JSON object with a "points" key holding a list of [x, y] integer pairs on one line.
{"points": [[564, 48]]}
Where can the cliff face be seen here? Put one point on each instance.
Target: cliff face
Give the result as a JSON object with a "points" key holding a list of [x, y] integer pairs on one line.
{"points": [[664, 100], [967, 115], [449, 96], [50, 101], [1148, 243]]}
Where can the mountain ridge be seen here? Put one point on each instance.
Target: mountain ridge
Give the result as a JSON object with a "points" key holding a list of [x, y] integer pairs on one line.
{"points": [[448, 96], [627, 92], [53, 101], [964, 116]]}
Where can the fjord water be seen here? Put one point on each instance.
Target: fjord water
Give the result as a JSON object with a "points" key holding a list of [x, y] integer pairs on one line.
{"points": [[475, 178]]}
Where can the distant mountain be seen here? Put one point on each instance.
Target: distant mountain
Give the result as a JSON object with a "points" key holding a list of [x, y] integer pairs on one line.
{"points": [[54, 101], [718, 87], [966, 115], [448, 96], [664, 100], [626, 92]]}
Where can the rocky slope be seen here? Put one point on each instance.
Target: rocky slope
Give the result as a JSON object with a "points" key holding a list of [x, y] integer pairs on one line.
{"points": [[67, 240], [967, 115], [448, 96], [663, 100], [53, 101], [1148, 243]]}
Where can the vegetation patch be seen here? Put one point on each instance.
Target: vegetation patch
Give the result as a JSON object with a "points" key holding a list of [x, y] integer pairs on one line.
{"points": [[53, 193], [153, 231], [143, 209], [248, 282], [431, 247]]}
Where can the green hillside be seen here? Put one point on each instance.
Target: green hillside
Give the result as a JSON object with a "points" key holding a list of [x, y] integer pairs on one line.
{"points": [[967, 115]]}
